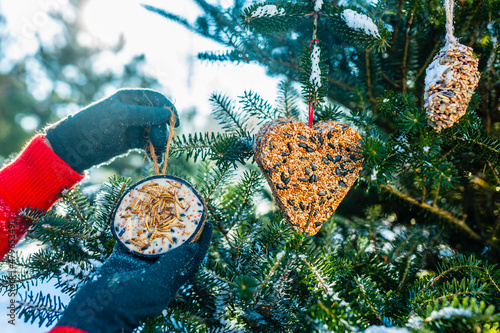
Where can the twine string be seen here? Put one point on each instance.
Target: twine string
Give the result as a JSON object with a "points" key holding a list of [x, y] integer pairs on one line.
{"points": [[448, 6], [150, 152]]}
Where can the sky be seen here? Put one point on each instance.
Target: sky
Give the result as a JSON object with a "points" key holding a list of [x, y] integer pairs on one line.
{"points": [[170, 52]]}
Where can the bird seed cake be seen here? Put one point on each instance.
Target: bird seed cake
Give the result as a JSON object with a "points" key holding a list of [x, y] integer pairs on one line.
{"points": [[157, 215]]}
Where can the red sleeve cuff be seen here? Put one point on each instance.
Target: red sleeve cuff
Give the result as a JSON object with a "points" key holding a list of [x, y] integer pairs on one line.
{"points": [[66, 329], [35, 177]]}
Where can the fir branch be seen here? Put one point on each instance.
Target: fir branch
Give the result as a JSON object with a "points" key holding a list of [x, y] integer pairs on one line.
{"points": [[255, 106], [433, 209], [361, 286], [230, 119], [43, 308]]}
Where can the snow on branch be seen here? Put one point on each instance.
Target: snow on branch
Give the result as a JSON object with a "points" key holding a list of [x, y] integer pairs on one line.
{"points": [[267, 11], [360, 22]]}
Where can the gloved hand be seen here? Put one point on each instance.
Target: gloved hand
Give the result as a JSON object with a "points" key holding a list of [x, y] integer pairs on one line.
{"points": [[129, 289], [112, 127]]}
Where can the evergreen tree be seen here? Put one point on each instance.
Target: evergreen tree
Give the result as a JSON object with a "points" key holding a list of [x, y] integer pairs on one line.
{"points": [[414, 246]]}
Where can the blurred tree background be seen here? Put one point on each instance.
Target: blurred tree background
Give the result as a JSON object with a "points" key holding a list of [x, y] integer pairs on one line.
{"points": [[58, 79]]}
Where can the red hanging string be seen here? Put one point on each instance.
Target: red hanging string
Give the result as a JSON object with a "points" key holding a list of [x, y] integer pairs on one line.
{"points": [[311, 107]]}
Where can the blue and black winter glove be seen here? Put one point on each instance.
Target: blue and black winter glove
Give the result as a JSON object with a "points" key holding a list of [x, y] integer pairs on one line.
{"points": [[129, 289], [112, 127]]}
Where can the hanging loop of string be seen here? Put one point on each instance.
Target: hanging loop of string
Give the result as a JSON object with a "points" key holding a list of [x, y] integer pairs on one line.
{"points": [[448, 5], [150, 151], [311, 103]]}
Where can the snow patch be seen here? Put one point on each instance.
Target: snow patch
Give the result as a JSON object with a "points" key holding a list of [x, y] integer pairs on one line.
{"points": [[373, 176], [267, 11], [317, 5], [449, 312], [383, 329], [434, 72], [360, 22], [280, 255], [388, 234]]}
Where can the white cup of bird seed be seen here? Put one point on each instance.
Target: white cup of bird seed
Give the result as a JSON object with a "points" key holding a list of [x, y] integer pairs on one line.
{"points": [[158, 214]]}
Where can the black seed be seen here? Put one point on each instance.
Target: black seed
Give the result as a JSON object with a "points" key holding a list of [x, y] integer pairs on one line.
{"points": [[341, 165], [180, 199], [295, 185], [284, 161], [308, 206], [332, 190], [329, 135], [313, 139], [144, 248], [330, 208], [269, 172], [318, 224], [301, 204], [324, 160], [295, 225], [337, 159], [328, 198], [270, 146], [304, 158], [277, 164], [302, 145], [174, 239], [344, 127], [322, 193], [337, 171], [295, 209], [313, 166], [309, 150], [281, 187], [341, 183], [199, 204], [302, 137], [169, 246], [127, 242], [306, 169], [347, 149], [290, 202], [172, 230], [116, 228], [313, 178], [200, 211], [289, 146], [315, 212], [286, 181], [290, 171], [183, 215], [321, 140], [322, 200], [121, 232], [331, 145], [329, 157], [352, 157], [287, 134], [285, 154], [304, 180]]}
